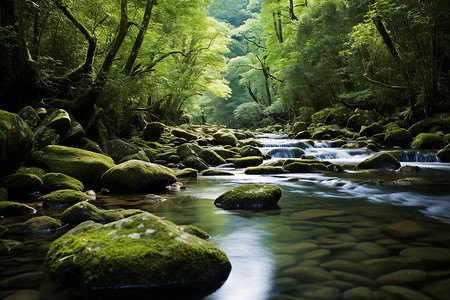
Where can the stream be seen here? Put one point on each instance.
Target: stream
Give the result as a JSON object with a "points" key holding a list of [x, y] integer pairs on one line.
{"points": [[326, 239]]}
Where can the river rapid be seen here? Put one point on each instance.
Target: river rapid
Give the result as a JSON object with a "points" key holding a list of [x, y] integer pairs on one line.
{"points": [[327, 239]]}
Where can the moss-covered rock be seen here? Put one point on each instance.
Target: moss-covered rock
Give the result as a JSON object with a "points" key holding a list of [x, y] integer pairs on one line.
{"points": [[59, 120], [215, 172], [327, 131], [84, 211], [427, 141], [10, 208], [59, 181], [7, 245], [226, 153], [174, 159], [298, 127], [21, 184], [361, 118], [305, 167], [249, 196], [338, 116], [303, 135], [136, 156], [189, 149], [89, 145], [444, 155], [446, 139], [265, 170], [74, 134], [153, 131], [379, 161], [284, 152], [321, 115], [62, 198], [245, 162], [16, 142], [397, 137], [187, 172], [195, 231], [141, 251], [31, 170], [250, 151], [195, 162], [118, 149], [3, 194], [371, 130], [212, 158], [253, 143], [41, 224], [86, 166], [138, 176], [422, 126], [29, 115], [189, 136], [226, 138]]}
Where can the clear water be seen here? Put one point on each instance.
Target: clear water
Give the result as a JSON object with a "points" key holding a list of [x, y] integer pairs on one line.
{"points": [[266, 247]]}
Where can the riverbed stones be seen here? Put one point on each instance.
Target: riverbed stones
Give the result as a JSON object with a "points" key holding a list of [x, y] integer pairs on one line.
{"points": [[63, 198], [186, 172], [265, 170], [402, 277], [380, 161], [41, 224], [249, 196], [86, 166], [118, 149], [380, 266], [427, 141], [138, 176], [245, 162], [16, 142], [308, 274], [142, 251], [195, 162], [366, 293], [317, 213], [439, 289], [250, 151], [189, 136], [223, 138], [404, 292], [215, 172], [404, 229], [59, 181], [354, 278], [10, 209], [21, 184], [84, 211], [432, 255]]}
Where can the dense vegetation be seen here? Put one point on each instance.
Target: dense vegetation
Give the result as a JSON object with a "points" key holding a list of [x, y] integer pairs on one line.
{"points": [[240, 63]]}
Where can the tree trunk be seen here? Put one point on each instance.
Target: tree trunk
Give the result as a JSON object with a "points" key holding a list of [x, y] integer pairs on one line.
{"points": [[140, 37], [291, 11]]}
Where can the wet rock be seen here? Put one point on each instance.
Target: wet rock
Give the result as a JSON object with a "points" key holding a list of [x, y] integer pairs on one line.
{"points": [[308, 274], [118, 149], [84, 211], [408, 169], [21, 184], [402, 277], [8, 245], [405, 293], [59, 181], [41, 224], [366, 293], [363, 117], [297, 127], [186, 172], [433, 255], [215, 172], [142, 251], [9, 209], [379, 161], [250, 151], [321, 132], [189, 149], [444, 155], [422, 126], [305, 134], [371, 130], [380, 266], [212, 158], [87, 144], [299, 247], [354, 278], [74, 134], [340, 285], [195, 162], [184, 134], [16, 142], [372, 249], [62, 198], [249, 196], [427, 141], [405, 229], [439, 290], [225, 153], [138, 176], [23, 281], [245, 162], [265, 170], [397, 137], [226, 139], [354, 256], [317, 213], [153, 131], [75, 163]]}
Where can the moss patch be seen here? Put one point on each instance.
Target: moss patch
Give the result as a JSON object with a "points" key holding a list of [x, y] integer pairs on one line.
{"points": [[41, 224], [427, 141], [379, 161], [245, 162], [9, 208], [215, 172], [62, 198], [249, 196], [84, 211], [265, 170], [60, 181], [21, 184]]}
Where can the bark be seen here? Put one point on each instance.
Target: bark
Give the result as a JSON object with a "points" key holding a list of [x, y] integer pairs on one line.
{"points": [[291, 11], [140, 37], [249, 88]]}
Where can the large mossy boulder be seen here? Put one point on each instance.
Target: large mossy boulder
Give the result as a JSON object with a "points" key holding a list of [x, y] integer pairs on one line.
{"points": [[195, 162], [212, 158], [59, 181], [250, 151], [138, 176], [265, 170], [245, 162], [140, 251], [118, 149], [327, 131], [427, 141], [371, 130], [184, 134], [10, 209], [189, 149], [225, 153], [63, 198], [321, 115], [300, 167], [74, 134], [361, 118], [298, 127], [338, 116], [153, 131], [249, 196], [397, 137], [384, 161], [226, 138], [86, 166], [16, 142], [84, 211], [21, 184], [42, 224], [422, 126]]}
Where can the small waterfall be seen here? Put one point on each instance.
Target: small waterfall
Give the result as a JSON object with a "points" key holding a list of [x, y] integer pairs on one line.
{"points": [[410, 156], [284, 152], [278, 143]]}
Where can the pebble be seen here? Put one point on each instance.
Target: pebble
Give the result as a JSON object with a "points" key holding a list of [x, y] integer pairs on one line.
{"points": [[308, 274], [316, 254], [341, 285], [342, 265], [439, 290], [402, 277], [372, 249], [380, 266], [434, 255], [363, 293], [317, 292], [405, 229], [354, 278], [300, 247], [317, 213], [405, 293], [355, 256]]}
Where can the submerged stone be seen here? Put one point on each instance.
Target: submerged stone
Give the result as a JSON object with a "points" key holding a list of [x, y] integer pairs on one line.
{"points": [[195, 162], [216, 172], [249, 196], [187, 172], [405, 229], [141, 251]]}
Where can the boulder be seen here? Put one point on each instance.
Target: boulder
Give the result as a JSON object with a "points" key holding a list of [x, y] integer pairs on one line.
{"points": [[225, 153], [195, 162], [444, 155], [371, 130], [86, 166], [226, 139], [184, 134], [215, 172], [21, 184], [321, 115], [62, 198], [249, 196], [138, 176], [41, 224], [397, 137], [10, 209], [59, 120], [29, 115], [136, 156], [432, 255], [74, 134], [338, 116], [141, 251], [306, 167], [31, 170], [16, 142], [326, 131], [379, 161], [245, 162], [189, 149], [297, 127], [361, 118], [422, 126], [118, 149], [89, 145], [212, 158], [427, 141], [187, 172], [59, 181], [265, 170], [84, 211], [153, 131], [250, 151], [303, 135]]}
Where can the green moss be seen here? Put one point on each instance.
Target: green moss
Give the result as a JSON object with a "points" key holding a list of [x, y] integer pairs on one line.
{"points": [[300, 167], [446, 139], [31, 170], [173, 159], [60, 181], [84, 211], [9, 208], [265, 170], [249, 196], [194, 231], [223, 138], [305, 161], [371, 129], [382, 160], [245, 162], [42, 224], [138, 176], [397, 137], [62, 198], [250, 151], [184, 134], [22, 184], [321, 115], [225, 153], [254, 143], [427, 141], [187, 172], [189, 149], [89, 145], [140, 251], [195, 162], [136, 156], [215, 172]]}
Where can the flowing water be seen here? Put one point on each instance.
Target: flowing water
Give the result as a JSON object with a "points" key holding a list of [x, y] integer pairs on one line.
{"points": [[325, 240]]}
